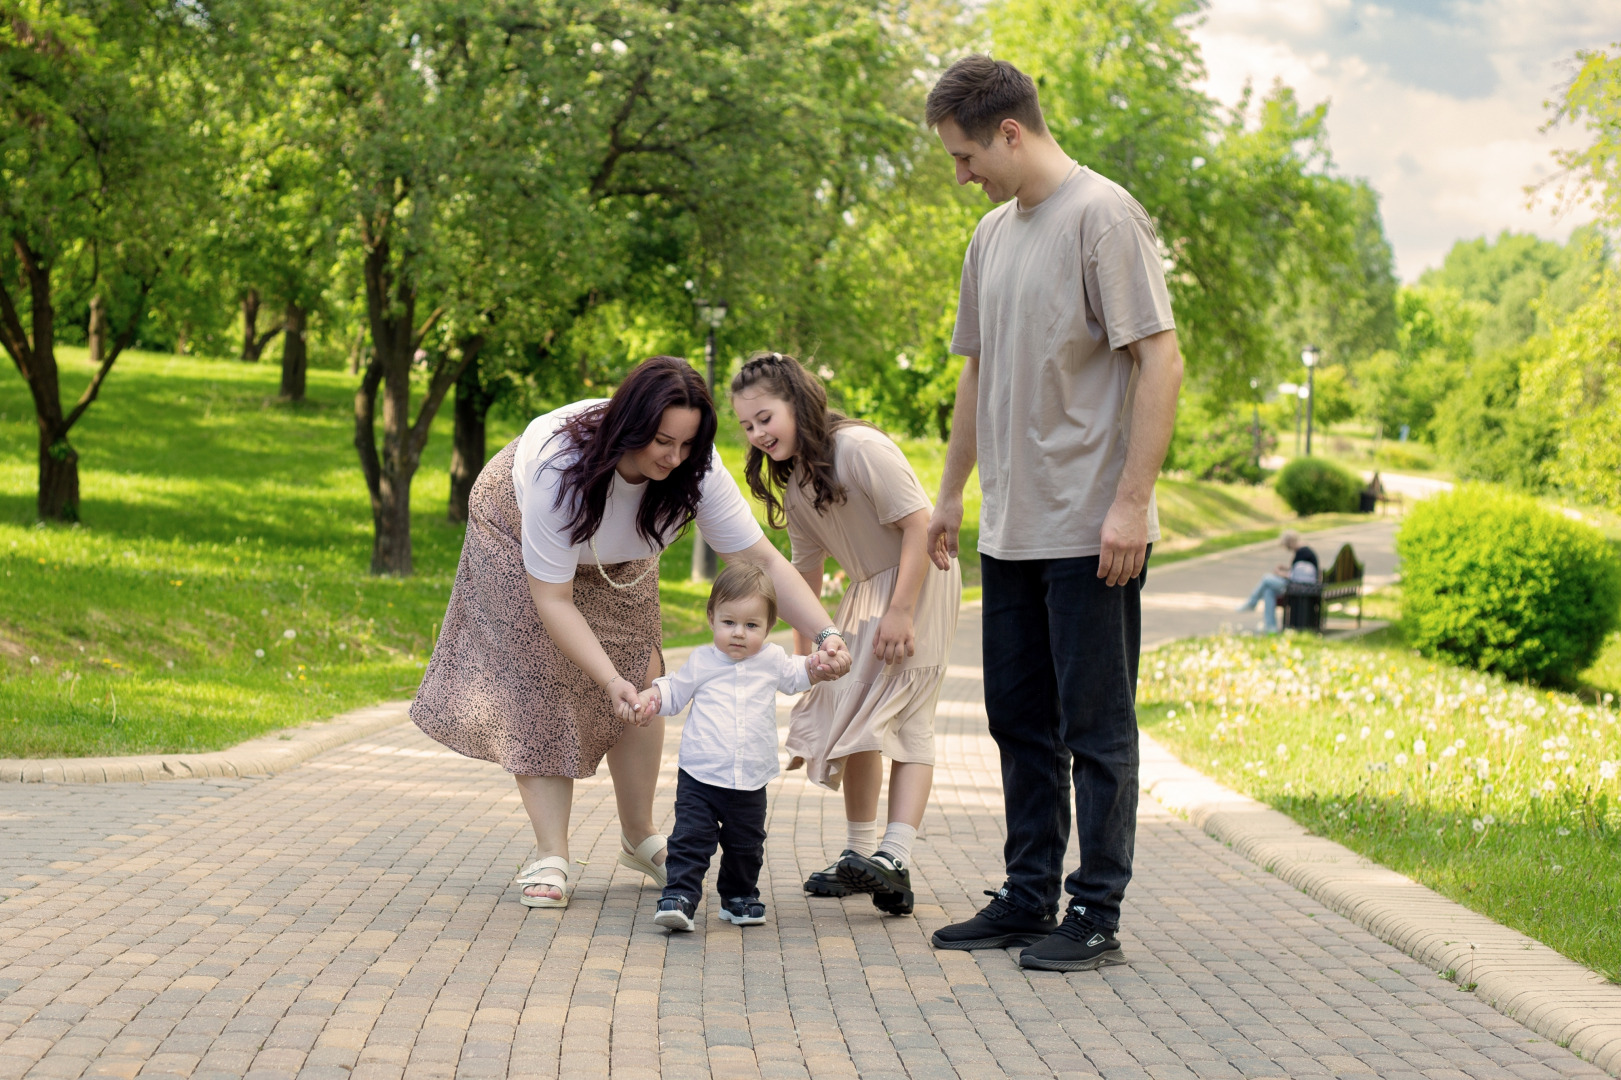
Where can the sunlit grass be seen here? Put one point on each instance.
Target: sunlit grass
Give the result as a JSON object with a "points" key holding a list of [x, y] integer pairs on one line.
{"points": [[1502, 797]]}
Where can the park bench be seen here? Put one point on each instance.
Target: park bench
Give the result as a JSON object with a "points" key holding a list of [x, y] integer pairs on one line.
{"points": [[1305, 604]]}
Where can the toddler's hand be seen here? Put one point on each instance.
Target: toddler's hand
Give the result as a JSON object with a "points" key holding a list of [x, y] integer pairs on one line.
{"points": [[647, 706], [820, 666]]}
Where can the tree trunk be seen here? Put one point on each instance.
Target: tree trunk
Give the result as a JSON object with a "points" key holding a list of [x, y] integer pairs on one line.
{"points": [[467, 451], [58, 479], [391, 310], [357, 351], [98, 329], [295, 357], [253, 342]]}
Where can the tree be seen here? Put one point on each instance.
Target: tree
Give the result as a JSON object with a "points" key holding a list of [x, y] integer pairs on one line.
{"points": [[100, 175], [1591, 174], [1402, 388]]}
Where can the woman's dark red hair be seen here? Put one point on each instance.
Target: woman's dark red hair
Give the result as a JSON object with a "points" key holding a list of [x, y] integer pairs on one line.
{"points": [[627, 422]]}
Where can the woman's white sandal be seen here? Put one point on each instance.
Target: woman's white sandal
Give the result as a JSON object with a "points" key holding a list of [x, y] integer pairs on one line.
{"points": [[641, 856], [551, 871]]}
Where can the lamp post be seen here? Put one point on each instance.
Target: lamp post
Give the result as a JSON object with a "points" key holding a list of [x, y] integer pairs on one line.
{"points": [[1255, 419], [1294, 390], [713, 313], [1309, 356]]}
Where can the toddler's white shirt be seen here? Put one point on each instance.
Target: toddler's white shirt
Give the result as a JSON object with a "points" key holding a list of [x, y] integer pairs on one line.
{"points": [[730, 738]]}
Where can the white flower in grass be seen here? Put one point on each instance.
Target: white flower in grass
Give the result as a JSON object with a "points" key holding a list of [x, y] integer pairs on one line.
{"points": [[1546, 758], [1478, 825], [1365, 732], [1459, 744], [1607, 769], [1283, 749], [1487, 789], [1451, 751], [1488, 819], [343, 646], [289, 634], [1556, 869], [1562, 831], [33, 659], [260, 653], [1341, 737], [1419, 747], [1401, 759], [1389, 734], [264, 611], [1549, 785]]}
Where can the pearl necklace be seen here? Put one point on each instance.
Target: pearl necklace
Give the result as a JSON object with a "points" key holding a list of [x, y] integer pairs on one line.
{"points": [[611, 581]]}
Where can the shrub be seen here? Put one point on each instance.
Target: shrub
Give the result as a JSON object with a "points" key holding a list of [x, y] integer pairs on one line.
{"points": [[1217, 445], [1499, 583], [1314, 486]]}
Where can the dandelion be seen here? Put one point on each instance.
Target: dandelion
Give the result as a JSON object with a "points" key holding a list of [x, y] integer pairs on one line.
{"points": [[343, 646], [289, 634], [1478, 825], [1419, 747], [1459, 744], [265, 612], [1549, 786], [1487, 789], [1546, 758], [1389, 734], [1365, 732], [1283, 749], [1556, 869], [1171, 715], [1607, 769], [1488, 819], [33, 659], [260, 653], [1562, 831], [1401, 759], [1341, 737], [1451, 751]]}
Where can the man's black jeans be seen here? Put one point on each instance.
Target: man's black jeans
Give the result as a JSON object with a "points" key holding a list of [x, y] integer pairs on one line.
{"points": [[706, 815], [1061, 650]]}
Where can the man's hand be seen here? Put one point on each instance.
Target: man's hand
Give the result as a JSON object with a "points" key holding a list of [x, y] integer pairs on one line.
{"points": [[944, 526], [1125, 543]]}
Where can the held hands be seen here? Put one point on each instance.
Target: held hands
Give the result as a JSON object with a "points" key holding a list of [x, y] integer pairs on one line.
{"points": [[896, 640], [627, 703], [829, 662], [1125, 543], [818, 667], [944, 525]]}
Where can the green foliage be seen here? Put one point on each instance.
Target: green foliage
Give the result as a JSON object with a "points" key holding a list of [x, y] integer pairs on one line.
{"points": [[1592, 174], [1240, 199], [1527, 284], [1498, 583], [1313, 485], [1487, 432], [1573, 384], [1434, 343], [1216, 443]]}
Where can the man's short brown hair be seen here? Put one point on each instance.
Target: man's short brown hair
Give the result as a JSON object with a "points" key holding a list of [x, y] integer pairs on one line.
{"points": [[741, 581], [979, 93]]}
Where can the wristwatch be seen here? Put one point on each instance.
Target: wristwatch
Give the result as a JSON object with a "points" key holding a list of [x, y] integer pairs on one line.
{"points": [[831, 631]]}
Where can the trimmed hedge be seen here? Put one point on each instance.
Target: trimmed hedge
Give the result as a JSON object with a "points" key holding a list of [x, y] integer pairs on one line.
{"points": [[1499, 583], [1311, 485]]}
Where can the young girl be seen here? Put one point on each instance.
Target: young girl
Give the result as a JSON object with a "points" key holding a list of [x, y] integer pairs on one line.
{"points": [[847, 491]]}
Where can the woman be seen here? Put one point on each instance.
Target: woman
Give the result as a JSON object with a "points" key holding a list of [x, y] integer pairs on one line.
{"points": [[553, 626], [848, 491]]}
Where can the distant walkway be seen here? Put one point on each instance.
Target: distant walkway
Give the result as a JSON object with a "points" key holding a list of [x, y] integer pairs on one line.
{"points": [[1197, 597], [353, 917]]}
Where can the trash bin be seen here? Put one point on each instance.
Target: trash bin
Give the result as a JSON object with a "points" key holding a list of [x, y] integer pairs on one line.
{"points": [[1303, 610], [1367, 502]]}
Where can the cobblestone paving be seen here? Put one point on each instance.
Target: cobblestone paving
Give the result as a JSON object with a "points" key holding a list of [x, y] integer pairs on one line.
{"points": [[353, 918]]}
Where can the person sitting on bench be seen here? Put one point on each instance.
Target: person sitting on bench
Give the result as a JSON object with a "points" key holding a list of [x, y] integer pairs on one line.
{"points": [[1302, 567]]}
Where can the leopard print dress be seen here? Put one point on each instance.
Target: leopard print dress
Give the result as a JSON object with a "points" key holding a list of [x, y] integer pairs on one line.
{"points": [[498, 688]]}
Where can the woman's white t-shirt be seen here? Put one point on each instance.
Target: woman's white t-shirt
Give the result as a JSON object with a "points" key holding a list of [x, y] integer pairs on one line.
{"points": [[723, 515]]}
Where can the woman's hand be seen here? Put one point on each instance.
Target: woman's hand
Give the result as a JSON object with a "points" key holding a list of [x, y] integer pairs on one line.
{"points": [[625, 700], [895, 640]]}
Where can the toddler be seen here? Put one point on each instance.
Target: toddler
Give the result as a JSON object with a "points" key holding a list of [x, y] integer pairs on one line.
{"points": [[728, 747]]}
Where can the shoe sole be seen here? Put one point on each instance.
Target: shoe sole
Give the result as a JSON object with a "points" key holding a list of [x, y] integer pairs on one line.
{"points": [[741, 920], [1005, 941], [886, 899], [1105, 959], [674, 920]]}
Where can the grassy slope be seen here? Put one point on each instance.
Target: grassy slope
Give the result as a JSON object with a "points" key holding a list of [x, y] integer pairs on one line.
{"points": [[216, 519], [1434, 771]]}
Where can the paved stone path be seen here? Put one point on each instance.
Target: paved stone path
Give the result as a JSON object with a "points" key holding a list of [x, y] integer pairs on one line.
{"points": [[353, 918]]}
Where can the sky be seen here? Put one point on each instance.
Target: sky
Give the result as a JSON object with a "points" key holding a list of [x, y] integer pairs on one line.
{"points": [[1438, 103]]}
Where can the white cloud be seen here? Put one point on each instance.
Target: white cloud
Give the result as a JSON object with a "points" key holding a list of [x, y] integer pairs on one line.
{"points": [[1439, 103]]}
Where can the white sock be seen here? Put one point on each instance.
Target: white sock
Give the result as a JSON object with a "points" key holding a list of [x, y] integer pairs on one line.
{"points": [[898, 837], [861, 837]]}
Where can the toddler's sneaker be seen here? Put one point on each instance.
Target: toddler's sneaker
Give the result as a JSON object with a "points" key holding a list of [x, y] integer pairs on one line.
{"points": [[743, 911], [675, 913]]}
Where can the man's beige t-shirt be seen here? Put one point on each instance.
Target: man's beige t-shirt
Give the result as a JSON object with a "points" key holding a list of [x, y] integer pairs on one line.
{"points": [[1051, 297]]}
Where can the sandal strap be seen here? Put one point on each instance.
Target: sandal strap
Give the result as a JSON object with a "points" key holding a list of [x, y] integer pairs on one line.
{"points": [[552, 870], [647, 848]]}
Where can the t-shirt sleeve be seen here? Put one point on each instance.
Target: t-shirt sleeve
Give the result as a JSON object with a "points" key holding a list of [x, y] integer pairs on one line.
{"points": [[547, 552], [723, 516], [879, 468], [809, 557], [1125, 278], [965, 338]]}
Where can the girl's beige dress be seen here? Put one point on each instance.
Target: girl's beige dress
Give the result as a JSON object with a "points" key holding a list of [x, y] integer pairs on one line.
{"points": [[877, 706]]}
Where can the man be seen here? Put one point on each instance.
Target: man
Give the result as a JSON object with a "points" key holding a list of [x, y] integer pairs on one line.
{"points": [[1302, 566], [1067, 399]]}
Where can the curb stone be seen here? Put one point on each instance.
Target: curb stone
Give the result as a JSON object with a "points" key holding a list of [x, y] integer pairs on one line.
{"points": [[263, 756], [1518, 976]]}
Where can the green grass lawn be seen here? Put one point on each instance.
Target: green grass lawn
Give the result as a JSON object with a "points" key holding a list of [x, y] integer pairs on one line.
{"points": [[1503, 797]]}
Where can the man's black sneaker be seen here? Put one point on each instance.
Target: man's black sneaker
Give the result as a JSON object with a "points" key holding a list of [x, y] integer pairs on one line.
{"points": [[743, 910], [1077, 945], [826, 882], [675, 913], [999, 924], [882, 875]]}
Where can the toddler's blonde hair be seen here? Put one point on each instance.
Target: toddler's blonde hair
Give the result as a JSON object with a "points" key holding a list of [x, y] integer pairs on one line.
{"points": [[741, 581]]}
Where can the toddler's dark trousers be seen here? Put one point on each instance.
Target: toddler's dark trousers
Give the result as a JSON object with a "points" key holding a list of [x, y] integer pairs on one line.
{"points": [[706, 815]]}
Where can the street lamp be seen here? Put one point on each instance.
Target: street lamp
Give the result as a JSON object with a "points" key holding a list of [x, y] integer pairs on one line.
{"points": [[1255, 419], [712, 313], [1294, 390], [1309, 356]]}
